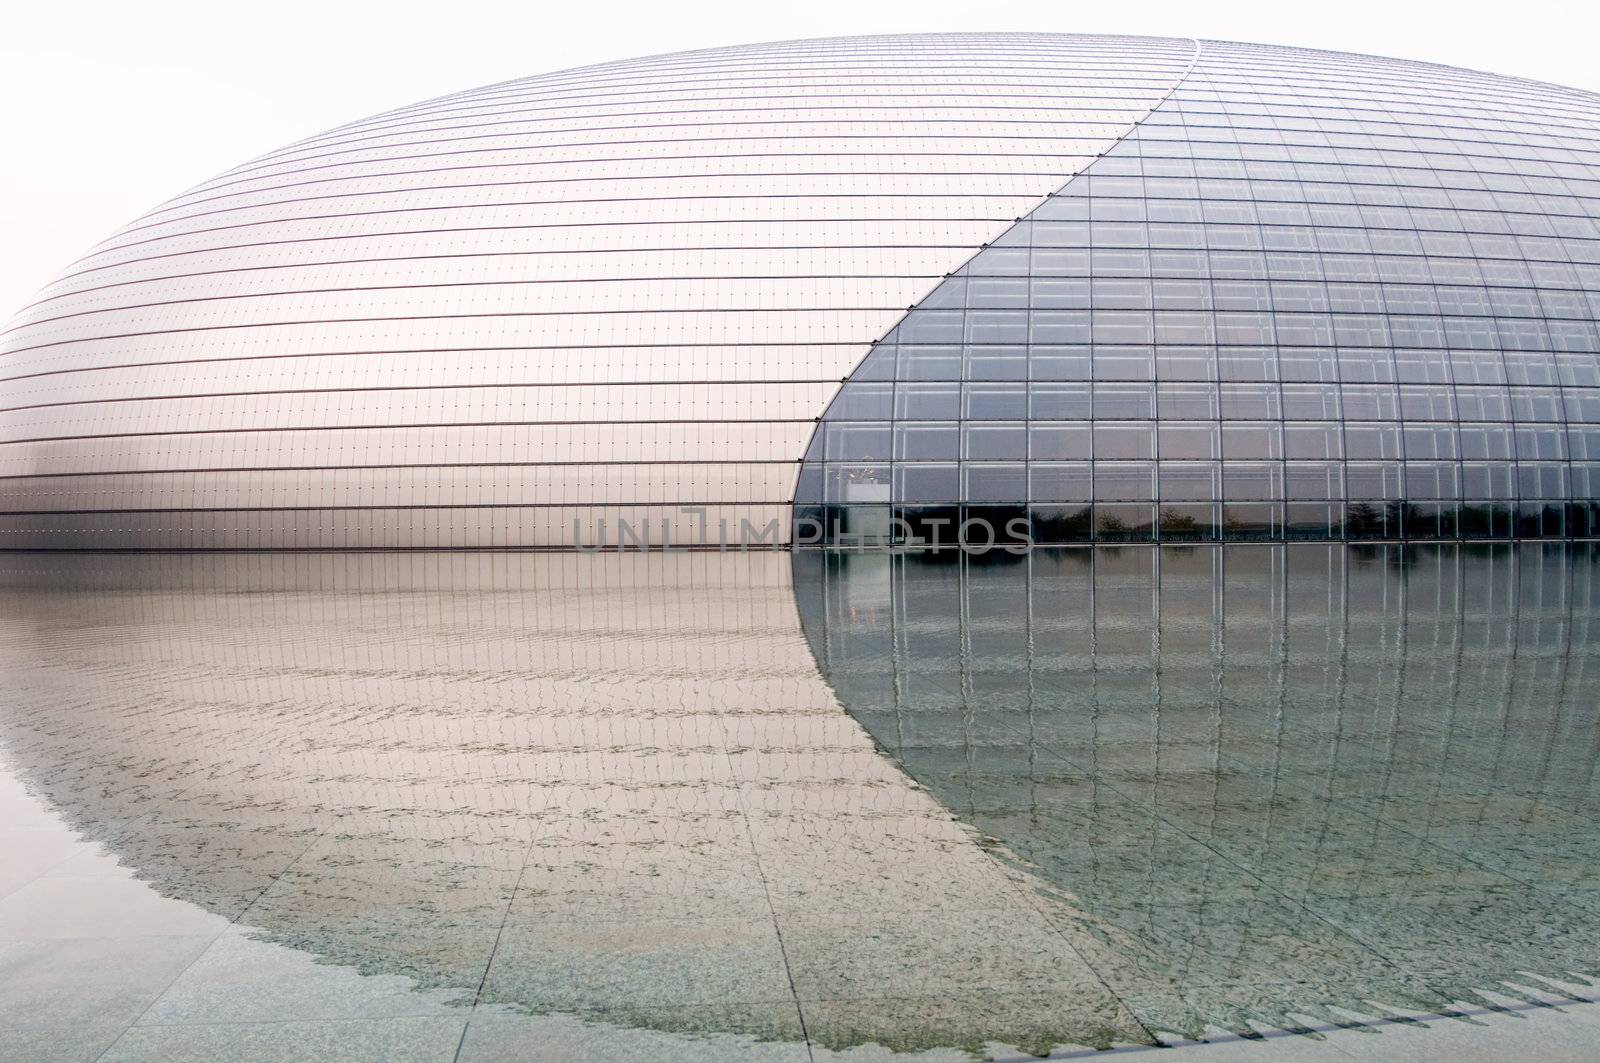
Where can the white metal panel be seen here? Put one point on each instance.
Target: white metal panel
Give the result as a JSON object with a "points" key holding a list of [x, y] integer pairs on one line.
{"points": [[673, 260]]}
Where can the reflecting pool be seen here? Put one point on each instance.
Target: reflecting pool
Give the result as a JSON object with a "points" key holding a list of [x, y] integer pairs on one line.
{"points": [[763, 803]]}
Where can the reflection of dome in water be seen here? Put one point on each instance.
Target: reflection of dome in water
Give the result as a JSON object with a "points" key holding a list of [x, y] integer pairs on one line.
{"points": [[1117, 789], [1157, 288], [620, 776]]}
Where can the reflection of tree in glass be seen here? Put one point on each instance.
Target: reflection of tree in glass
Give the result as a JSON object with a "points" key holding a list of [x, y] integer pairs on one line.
{"points": [[1177, 522], [1362, 520]]}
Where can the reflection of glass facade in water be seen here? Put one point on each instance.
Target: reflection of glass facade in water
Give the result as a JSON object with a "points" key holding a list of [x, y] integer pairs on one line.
{"points": [[1275, 779], [1309, 297], [1083, 796]]}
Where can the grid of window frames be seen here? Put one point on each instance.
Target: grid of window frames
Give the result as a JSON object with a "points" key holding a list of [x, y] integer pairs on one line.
{"points": [[1310, 297]]}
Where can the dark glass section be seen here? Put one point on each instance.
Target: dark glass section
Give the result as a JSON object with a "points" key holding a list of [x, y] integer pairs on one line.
{"points": [[1292, 304]]}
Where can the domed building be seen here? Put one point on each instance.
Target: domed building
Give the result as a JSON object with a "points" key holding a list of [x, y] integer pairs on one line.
{"points": [[860, 290]]}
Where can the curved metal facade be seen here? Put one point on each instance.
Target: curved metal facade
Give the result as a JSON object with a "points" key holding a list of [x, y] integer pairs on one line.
{"points": [[1311, 296], [1157, 289], [499, 318]]}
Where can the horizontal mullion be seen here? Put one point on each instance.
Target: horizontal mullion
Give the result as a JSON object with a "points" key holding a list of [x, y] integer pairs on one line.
{"points": [[518, 314], [621, 224], [465, 254], [353, 289], [83, 437], [755, 382], [402, 507], [391, 466], [479, 349]]}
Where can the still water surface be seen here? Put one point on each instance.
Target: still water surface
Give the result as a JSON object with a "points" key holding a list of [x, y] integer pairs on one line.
{"points": [[1073, 797]]}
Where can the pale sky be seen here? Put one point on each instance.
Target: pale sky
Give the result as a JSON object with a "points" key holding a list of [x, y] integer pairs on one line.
{"points": [[110, 107]]}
